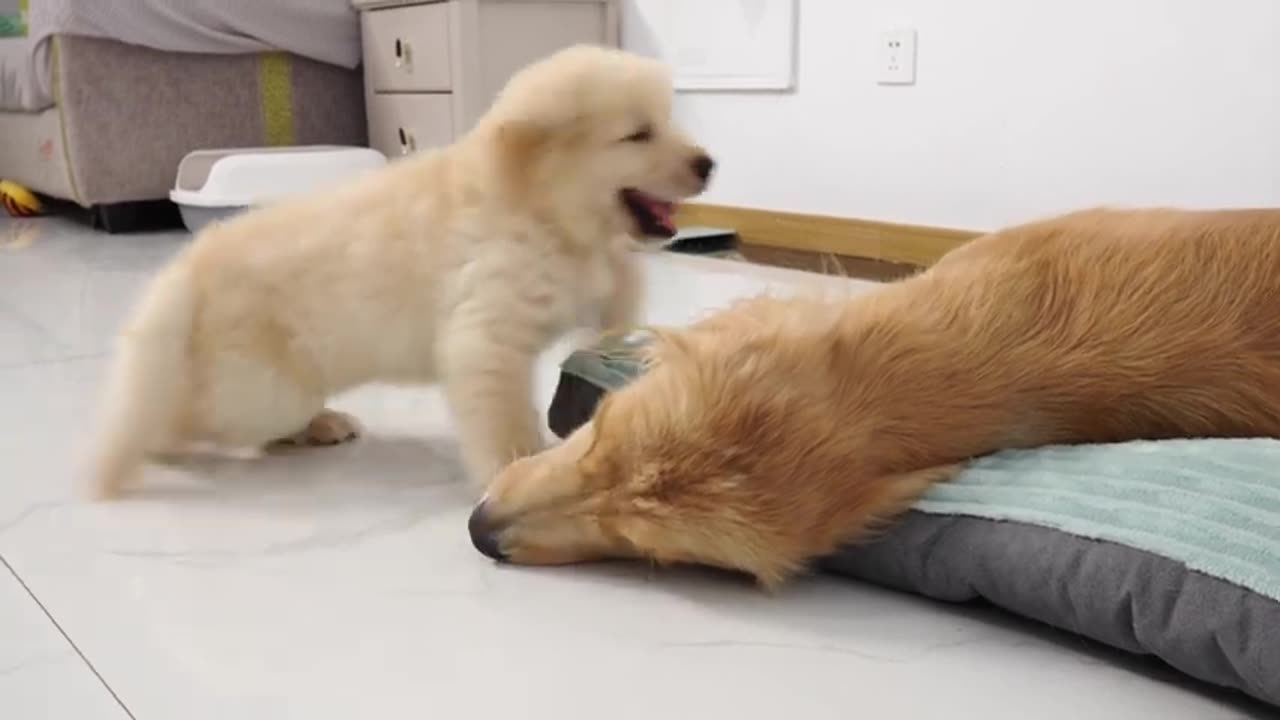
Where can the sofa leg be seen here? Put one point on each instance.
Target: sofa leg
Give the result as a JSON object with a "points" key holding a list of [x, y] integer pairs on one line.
{"points": [[132, 217]]}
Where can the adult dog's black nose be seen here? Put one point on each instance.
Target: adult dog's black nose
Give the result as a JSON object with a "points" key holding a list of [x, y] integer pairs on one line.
{"points": [[484, 533], [702, 166]]}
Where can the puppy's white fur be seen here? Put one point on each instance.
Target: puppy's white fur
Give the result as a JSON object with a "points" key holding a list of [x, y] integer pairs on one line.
{"points": [[458, 266]]}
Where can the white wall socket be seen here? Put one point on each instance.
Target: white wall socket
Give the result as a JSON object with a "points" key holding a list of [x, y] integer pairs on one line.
{"points": [[897, 58]]}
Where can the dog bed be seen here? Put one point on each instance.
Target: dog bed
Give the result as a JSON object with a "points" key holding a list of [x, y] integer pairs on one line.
{"points": [[1169, 549]]}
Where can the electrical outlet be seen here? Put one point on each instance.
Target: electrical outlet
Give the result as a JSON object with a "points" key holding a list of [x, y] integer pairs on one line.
{"points": [[897, 58]]}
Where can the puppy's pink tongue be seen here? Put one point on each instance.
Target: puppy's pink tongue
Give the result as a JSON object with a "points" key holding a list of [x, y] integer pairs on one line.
{"points": [[666, 215], [664, 212]]}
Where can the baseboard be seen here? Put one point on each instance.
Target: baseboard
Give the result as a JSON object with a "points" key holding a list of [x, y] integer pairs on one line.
{"points": [[891, 242], [828, 263]]}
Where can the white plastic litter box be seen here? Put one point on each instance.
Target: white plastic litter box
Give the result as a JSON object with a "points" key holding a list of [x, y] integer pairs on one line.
{"points": [[213, 185]]}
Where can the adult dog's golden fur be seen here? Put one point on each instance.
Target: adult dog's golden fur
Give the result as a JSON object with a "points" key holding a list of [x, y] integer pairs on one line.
{"points": [[774, 432], [459, 266]]}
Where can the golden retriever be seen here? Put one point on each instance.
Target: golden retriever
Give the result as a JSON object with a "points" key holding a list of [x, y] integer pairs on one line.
{"points": [[456, 266], [776, 431]]}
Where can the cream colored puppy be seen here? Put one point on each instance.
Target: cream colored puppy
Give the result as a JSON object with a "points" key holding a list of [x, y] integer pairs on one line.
{"points": [[457, 266]]}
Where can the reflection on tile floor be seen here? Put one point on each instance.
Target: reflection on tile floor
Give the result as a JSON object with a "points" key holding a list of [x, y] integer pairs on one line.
{"points": [[341, 584]]}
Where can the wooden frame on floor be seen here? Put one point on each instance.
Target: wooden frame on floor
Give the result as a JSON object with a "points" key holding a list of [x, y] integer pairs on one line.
{"points": [[799, 234]]}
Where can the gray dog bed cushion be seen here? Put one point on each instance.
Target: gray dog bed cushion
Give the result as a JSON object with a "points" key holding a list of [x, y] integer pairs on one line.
{"points": [[1169, 549]]}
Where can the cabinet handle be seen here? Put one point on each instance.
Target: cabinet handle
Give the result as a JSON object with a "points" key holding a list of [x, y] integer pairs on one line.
{"points": [[404, 54], [407, 142]]}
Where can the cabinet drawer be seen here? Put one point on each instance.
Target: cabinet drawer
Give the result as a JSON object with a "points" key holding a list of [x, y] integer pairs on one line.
{"points": [[407, 48], [402, 123]]}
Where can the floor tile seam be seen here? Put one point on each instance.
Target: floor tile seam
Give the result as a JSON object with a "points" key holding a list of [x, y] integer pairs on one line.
{"points": [[4, 561]]}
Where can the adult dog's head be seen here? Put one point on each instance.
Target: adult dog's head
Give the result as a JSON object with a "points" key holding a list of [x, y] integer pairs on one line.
{"points": [[731, 450], [587, 133]]}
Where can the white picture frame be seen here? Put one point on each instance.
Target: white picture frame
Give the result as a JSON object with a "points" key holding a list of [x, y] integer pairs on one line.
{"points": [[721, 45]]}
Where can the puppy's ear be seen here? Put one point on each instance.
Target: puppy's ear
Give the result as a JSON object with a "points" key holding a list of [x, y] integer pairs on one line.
{"points": [[520, 145]]}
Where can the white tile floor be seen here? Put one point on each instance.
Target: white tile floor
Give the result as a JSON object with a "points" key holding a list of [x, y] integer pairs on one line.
{"points": [[341, 584]]}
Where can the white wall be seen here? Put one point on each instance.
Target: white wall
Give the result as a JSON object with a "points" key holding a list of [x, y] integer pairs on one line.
{"points": [[1021, 108]]}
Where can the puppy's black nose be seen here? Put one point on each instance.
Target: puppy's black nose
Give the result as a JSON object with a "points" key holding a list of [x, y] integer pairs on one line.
{"points": [[484, 534], [702, 166]]}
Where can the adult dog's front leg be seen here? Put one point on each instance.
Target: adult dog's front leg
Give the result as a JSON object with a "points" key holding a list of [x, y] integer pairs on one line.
{"points": [[488, 383]]}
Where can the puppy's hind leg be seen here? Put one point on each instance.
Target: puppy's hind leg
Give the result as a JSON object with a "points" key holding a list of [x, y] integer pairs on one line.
{"points": [[148, 390], [143, 415], [252, 404], [327, 427]]}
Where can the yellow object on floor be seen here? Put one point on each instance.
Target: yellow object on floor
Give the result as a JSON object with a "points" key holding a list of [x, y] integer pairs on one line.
{"points": [[18, 201]]}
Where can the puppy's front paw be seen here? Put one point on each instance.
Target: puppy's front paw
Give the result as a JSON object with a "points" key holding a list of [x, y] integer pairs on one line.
{"points": [[328, 427]]}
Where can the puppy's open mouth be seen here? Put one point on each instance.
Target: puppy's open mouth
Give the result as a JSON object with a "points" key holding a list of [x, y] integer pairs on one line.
{"points": [[655, 218]]}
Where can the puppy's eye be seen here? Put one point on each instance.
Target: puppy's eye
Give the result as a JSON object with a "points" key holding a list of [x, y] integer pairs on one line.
{"points": [[644, 134]]}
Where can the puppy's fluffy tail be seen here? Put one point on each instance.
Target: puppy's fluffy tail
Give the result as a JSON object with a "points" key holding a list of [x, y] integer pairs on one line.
{"points": [[149, 383]]}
